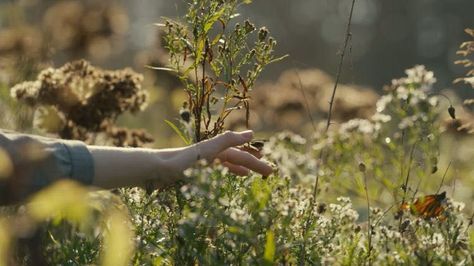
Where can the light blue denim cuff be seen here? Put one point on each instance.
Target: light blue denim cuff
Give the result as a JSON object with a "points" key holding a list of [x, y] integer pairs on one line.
{"points": [[64, 159], [82, 162], [73, 160]]}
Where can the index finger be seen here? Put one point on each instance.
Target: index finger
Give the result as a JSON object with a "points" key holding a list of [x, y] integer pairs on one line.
{"points": [[245, 159], [210, 148]]}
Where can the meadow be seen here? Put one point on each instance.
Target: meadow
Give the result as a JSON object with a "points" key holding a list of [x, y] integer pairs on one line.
{"points": [[390, 188]]}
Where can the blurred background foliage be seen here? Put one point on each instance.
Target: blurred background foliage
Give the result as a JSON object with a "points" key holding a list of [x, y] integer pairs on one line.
{"points": [[387, 37]]}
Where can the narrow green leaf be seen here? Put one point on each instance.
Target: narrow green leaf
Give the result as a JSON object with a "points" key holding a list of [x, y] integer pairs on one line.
{"points": [[216, 39], [178, 131], [269, 254], [213, 20], [278, 59], [161, 68], [199, 50]]}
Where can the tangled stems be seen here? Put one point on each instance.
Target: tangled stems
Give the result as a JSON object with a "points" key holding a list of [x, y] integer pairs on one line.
{"points": [[218, 63]]}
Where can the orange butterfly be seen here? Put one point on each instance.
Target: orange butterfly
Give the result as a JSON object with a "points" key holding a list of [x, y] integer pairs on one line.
{"points": [[430, 206]]}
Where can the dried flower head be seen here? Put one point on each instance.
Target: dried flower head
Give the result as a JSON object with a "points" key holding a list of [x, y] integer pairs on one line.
{"points": [[88, 99]]}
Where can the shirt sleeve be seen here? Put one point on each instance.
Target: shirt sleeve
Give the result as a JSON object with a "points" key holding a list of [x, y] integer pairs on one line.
{"points": [[39, 161]]}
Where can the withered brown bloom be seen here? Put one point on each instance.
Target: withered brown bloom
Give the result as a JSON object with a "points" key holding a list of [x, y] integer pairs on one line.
{"points": [[87, 98]]}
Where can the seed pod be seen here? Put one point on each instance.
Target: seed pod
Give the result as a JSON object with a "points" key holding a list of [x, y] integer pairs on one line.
{"points": [[185, 115], [321, 208], [452, 112], [404, 225], [262, 34], [357, 229], [403, 187], [434, 163], [257, 144], [249, 27]]}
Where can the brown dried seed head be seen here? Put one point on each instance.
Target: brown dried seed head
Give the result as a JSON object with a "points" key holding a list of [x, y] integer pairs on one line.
{"points": [[452, 112]]}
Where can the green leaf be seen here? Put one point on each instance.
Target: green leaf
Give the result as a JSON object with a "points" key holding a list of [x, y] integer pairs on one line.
{"points": [[213, 20], [278, 59], [261, 193], [161, 68], [178, 131], [216, 39], [269, 254], [199, 50]]}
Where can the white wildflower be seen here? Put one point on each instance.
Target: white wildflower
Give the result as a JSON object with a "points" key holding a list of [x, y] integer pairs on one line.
{"points": [[383, 118], [383, 102], [437, 239], [402, 93]]}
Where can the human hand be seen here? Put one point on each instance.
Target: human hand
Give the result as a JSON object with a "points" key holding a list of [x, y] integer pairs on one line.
{"points": [[223, 148], [122, 167], [239, 160]]}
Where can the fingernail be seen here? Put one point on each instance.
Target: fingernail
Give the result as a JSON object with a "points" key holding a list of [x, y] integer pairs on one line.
{"points": [[248, 134]]}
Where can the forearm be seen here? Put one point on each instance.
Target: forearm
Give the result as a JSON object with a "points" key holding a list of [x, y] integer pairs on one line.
{"points": [[125, 167], [111, 167]]}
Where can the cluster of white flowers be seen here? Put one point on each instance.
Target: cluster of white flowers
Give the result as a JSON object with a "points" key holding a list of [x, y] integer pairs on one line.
{"points": [[455, 206], [433, 242], [344, 211], [417, 76], [363, 126], [420, 75], [383, 102], [288, 152]]}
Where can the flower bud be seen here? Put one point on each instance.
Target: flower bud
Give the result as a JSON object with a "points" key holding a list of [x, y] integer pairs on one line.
{"points": [[452, 112], [262, 34], [185, 115]]}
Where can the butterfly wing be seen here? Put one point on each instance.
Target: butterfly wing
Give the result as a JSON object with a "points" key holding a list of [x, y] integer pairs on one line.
{"points": [[430, 206]]}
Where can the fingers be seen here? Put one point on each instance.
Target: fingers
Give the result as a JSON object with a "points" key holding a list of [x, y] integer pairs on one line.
{"points": [[245, 159], [252, 151], [209, 149], [237, 169]]}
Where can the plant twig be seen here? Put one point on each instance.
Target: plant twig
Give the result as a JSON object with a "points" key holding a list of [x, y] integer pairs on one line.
{"points": [[305, 101], [444, 175], [341, 62], [407, 178], [369, 224], [310, 207]]}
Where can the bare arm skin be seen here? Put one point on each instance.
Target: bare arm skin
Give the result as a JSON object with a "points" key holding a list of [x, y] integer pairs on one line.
{"points": [[124, 167]]}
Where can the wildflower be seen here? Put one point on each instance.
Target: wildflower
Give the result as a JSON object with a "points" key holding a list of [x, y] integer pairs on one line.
{"points": [[383, 102], [363, 126], [380, 117], [456, 205], [452, 112]]}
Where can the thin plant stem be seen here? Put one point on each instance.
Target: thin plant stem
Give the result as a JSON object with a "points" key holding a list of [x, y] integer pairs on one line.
{"points": [[444, 176], [440, 94], [310, 207], [369, 222], [305, 101], [407, 179], [341, 62]]}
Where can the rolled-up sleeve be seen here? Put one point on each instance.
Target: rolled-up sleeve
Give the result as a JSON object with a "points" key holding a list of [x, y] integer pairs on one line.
{"points": [[39, 161], [74, 160]]}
